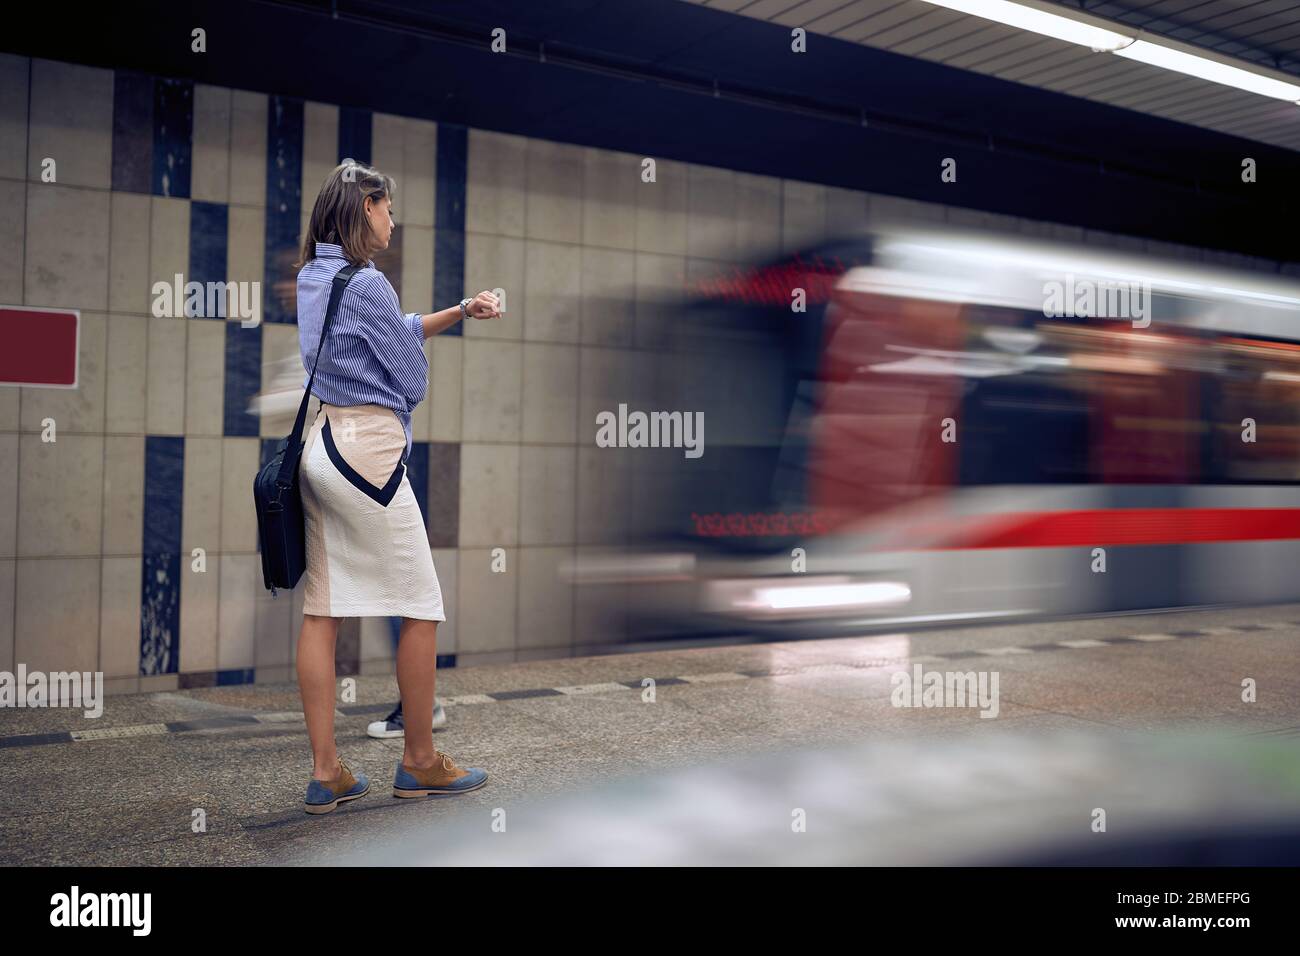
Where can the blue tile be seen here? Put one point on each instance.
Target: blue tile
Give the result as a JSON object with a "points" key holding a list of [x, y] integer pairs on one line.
{"points": [[243, 378], [354, 134], [453, 153], [417, 473], [173, 126], [449, 219], [208, 234], [160, 584], [266, 450], [448, 272], [242, 675], [133, 102], [283, 208]]}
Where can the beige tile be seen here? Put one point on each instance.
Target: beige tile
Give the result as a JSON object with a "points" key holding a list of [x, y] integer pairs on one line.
{"points": [[492, 390], [847, 210], [550, 394], [57, 614], [13, 239], [710, 212], [610, 181], [610, 377], [415, 192], [118, 686], [158, 683], [547, 488], [205, 368], [803, 214], [71, 123], [377, 644], [273, 626], [129, 285], [123, 495], [165, 395], [246, 242], [554, 191], [600, 615], [281, 369], [608, 304], [201, 500], [545, 599], [210, 167], [8, 496], [79, 409], [417, 271], [13, 116], [604, 476], [67, 247], [445, 564], [661, 209], [489, 495], [552, 287], [127, 363], [240, 578], [495, 183], [169, 250], [495, 263], [443, 404], [239, 460], [59, 492], [894, 209], [758, 216], [387, 142], [320, 149], [9, 409], [248, 121], [8, 569], [119, 617], [659, 282], [200, 612], [487, 603]]}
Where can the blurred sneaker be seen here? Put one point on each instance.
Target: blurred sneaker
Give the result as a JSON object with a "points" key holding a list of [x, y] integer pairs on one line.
{"points": [[443, 777], [323, 796], [394, 726]]}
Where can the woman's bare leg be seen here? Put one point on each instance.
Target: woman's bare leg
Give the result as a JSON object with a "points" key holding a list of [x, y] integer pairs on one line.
{"points": [[417, 661], [316, 682]]}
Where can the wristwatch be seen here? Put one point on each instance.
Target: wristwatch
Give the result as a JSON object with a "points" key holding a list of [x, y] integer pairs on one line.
{"points": [[464, 311]]}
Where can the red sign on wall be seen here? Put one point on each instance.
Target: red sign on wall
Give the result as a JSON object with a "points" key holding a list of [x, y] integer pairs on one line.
{"points": [[38, 347]]}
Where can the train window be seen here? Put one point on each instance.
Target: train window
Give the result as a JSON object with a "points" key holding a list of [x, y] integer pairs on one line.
{"points": [[1026, 419], [1252, 412]]}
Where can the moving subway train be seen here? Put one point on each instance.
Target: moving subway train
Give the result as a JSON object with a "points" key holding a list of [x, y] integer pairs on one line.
{"points": [[910, 427]]}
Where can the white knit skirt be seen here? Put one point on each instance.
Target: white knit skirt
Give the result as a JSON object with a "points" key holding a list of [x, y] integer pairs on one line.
{"points": [[367, 548]]}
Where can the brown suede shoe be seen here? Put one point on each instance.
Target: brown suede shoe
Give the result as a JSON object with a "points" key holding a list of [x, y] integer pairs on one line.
{"points": [[324, 796], [443, 777]]}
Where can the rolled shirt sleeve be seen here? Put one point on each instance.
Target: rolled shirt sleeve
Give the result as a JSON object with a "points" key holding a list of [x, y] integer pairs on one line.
{"points": [[395, 337]]}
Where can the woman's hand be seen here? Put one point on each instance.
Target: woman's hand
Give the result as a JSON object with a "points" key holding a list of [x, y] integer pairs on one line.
{"points": [[485, 306]]}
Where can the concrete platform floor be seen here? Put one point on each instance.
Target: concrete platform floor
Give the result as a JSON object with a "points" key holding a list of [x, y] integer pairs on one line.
{"points": [[125, 788]]}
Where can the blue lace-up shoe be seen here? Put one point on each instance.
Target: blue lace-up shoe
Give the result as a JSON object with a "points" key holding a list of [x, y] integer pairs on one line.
{"points": [[323, 796], [443, 777]]}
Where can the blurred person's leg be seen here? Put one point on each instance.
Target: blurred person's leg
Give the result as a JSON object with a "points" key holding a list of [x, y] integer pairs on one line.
{"points": [[417, 662], [316, 682]]}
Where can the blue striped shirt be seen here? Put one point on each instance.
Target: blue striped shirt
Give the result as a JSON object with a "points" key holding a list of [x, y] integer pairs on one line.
{"points": [[374, 353]]}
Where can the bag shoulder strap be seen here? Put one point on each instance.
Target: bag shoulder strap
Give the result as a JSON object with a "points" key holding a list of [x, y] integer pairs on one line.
{"points": [[287, 464]]}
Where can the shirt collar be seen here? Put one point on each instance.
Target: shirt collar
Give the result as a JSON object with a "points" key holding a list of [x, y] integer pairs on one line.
{"points": [[332, 250]]}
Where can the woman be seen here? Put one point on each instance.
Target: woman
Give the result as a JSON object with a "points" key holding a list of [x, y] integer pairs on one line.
{"points": [[367, 549]]}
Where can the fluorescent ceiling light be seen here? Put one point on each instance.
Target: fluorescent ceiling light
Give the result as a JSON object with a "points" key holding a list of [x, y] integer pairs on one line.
{"points": [[1092, 32], [1040, 21], [1207, 69]]}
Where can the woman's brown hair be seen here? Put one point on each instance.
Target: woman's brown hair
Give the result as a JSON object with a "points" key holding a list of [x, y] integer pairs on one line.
{"points": [[339, 215]]}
